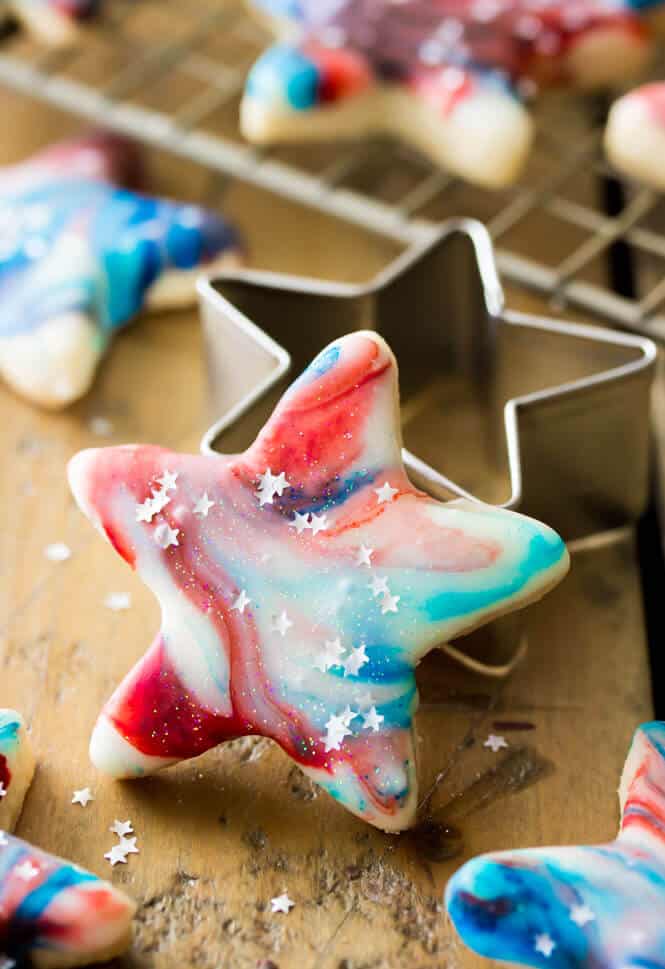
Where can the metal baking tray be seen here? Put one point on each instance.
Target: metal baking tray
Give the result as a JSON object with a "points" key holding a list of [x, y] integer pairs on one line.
{"points": [[545, 417]]}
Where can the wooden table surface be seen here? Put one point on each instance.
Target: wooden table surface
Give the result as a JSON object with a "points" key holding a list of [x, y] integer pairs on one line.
{"points": [[223, 834]]}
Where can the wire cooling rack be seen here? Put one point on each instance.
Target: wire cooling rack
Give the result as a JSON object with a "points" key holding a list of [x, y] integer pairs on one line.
{"points": [[171, 73]]}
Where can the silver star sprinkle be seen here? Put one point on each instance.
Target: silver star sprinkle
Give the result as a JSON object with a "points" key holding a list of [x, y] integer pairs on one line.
{"points": [[122, 828], [282, 903], [495, 743], [128, 845], [83, 797], [117, 855], [389, 604], [364, 556], [336, 730], [300, 522], [145, 511], [544, 944], [168, 480], [159, 501], [385, 492], [269, 486], [318, 523], [203, 505], [581, 915], [379, 586], [355, 661], [372, 720], [165, 536]]}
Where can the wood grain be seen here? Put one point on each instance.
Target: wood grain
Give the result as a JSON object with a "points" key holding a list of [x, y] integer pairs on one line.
{"points": [[223, 834]]}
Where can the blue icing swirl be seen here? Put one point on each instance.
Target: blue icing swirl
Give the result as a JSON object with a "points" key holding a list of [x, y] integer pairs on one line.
{"points": [[130, 240], [285, 73]]}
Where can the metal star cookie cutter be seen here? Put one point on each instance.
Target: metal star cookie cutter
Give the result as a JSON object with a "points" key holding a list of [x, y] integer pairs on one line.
{"points": [[562, 410]]}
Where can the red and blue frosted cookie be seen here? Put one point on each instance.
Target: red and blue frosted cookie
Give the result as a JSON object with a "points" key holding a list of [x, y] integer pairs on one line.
{"points": [[81, 255], [17, 765], [53, 914], [445, 75], [578, 907], [301, 583], [635, 134]]}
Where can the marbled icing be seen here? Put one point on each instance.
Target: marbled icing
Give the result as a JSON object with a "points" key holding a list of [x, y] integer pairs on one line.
{"points": [[81, 253], [54, 913], [518, 39], [297, 609], [16, 766], [600, 907]]}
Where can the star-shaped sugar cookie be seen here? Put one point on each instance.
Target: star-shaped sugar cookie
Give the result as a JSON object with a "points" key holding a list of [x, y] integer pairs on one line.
{"points": [[54, 914], [81, 255], [17, 765], [52, 22], [448, 76], [578, 908], [299, 606]]}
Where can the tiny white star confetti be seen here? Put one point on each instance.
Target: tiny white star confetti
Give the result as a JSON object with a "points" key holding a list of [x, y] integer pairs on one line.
{"points": [[318, 523], [544, 944], [364, 556], [159, 501], [495, 743], [58, 552], [122, 828], [241, 602], [128, 845], [282, 903], [372, 720], [117, 855], [282, 624], [336, 731], [165, 536], [385, 492], [300, 522], [355, 661], [203, 505], [379, 586], [348, 715], [83, 797], [26, 871], [168, 480], [118, 601], [581, 915], [145, 511], [101, 426], [389, 604], [3, 790], [270, 485]]}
